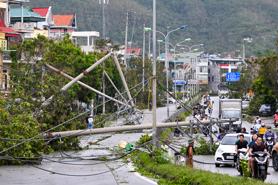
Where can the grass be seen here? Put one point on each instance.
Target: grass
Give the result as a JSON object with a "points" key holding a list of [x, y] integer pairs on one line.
{"points": [[170, 174]]}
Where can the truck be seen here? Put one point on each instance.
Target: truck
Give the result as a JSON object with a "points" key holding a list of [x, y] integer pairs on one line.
{"points": [[231, 109]]}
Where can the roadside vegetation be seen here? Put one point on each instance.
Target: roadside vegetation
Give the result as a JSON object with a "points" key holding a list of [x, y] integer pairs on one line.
{"points": [[156, 166], [22, 115], [259, 76], [156, 163]]}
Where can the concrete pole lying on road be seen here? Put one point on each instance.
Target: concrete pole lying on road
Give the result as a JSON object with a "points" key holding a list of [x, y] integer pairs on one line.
{"points": [[114, 129], [126, 128]]}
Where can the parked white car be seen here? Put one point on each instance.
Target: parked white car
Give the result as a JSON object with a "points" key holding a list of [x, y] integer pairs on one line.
{"points": [[226, 151]]}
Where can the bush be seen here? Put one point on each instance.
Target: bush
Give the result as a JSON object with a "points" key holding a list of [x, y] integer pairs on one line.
{"points": [[171, 174], [143, 139], [205, 148], [18, 128], [257, 101]]}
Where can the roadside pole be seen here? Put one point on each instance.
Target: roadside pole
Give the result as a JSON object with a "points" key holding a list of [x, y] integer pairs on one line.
{"points": [[154, 129], [143, 58]]}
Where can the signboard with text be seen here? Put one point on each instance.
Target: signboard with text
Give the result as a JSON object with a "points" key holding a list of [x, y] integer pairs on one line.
{"points": [[233, 77]]}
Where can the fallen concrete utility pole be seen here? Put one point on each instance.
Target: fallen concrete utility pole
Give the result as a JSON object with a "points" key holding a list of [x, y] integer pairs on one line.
{"points": [[125, 128], [123, 79], [85, 85], [112, 83], [114, 129], [68, 85]]}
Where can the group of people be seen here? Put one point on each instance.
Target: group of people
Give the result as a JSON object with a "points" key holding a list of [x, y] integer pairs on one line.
{"points": [[262, 130], [199, 111], [256, 145]]}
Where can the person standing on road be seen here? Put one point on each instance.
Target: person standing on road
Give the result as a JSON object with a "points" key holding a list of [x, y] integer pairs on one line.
{"points": [[90, 122], [189, 154], [210, 107], [275, 119]]}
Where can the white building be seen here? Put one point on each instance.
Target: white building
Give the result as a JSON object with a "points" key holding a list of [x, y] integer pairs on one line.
{"points": [[85, 40]]}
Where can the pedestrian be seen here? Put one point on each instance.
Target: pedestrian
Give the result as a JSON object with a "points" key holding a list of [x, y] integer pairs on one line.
{"points": [[90, 121], [189, 153], [210, 107]]}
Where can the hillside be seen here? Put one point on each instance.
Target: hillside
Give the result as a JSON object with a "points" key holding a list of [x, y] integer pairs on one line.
{"points": [[219, 24]]}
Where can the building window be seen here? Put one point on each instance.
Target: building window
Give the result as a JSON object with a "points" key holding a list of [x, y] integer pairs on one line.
{"points": [[212, 78], [209, 78], [208, 71]]}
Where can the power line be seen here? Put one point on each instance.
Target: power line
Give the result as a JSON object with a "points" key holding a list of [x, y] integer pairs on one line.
{"points": [[45, 132]]}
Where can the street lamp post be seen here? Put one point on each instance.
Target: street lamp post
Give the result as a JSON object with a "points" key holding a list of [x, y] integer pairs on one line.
{"points": [[167, 63], [145, 29], [154, 130], [249, 40]]}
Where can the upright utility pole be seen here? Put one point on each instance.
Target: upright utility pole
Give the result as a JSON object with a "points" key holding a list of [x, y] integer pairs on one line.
{"points": [[149, 54], [22, 16], [103, 89], [167, 76], [126, 35], [143, 58], [154, 130], [103, 3]]}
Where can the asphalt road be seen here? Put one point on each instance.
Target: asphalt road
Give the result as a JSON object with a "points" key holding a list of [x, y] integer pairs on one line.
{"points": [[98, 173]]}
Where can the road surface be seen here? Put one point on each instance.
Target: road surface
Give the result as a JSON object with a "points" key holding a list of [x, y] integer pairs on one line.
{"points": [[123, 174]]}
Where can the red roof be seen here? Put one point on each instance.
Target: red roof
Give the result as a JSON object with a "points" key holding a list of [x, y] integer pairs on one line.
{"points": [[5, 29], [134, 51], [42, 11], [63, 20]]}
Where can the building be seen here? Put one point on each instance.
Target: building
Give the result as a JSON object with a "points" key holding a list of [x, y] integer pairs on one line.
{"points": [[218, 68], [85, 40], [27, 23], [8, 38], [63, 25], [202, 72], [46, 14]]}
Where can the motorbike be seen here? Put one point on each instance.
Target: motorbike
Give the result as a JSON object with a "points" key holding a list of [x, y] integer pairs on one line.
{"points": [[261, 164], [269, 144], [242, 162]]}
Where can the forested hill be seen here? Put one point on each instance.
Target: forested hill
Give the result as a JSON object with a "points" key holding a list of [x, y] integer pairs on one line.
{"points": [[219, 24]]}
